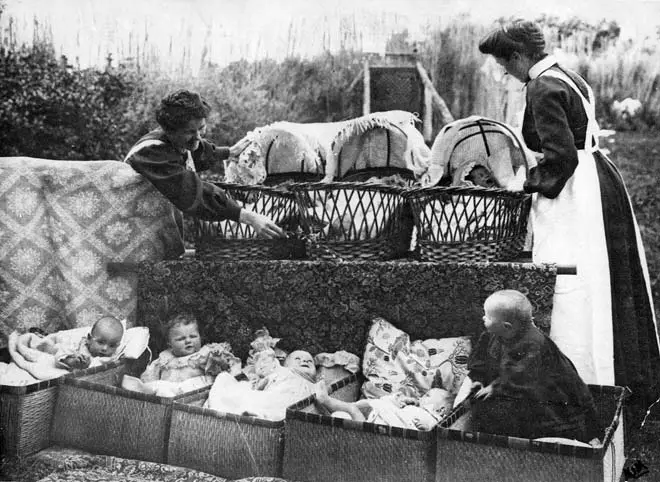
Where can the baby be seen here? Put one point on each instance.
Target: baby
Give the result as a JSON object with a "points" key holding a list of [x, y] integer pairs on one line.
{"points": [[523, 385], [395, 410], [482, 176], [102, 341], [186, 364], [273, 388]]}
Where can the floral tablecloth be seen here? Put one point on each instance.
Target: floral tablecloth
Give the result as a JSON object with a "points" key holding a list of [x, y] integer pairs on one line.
{"points": [[61, 222]]}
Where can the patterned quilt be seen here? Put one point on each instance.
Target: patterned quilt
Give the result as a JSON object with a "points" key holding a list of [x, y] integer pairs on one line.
{"points": [[61, 223]]}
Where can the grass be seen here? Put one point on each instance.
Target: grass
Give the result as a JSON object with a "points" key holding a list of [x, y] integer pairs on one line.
{"points": [[637, 155]]}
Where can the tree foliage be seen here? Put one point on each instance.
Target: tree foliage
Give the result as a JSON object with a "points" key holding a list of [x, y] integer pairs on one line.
{"points": [[49, 109]]}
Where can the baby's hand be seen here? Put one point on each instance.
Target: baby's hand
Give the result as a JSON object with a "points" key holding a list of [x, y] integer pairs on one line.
{"points": [[421, 425], [76, 361], [475, 387], [484, 393], [402, 401], [321, 391]]}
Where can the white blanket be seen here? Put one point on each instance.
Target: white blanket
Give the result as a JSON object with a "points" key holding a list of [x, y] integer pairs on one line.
{"points": [[31, 364], [283, 388]]}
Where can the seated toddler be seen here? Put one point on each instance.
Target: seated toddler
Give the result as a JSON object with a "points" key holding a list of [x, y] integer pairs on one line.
{"points": [[523, 385], [186, 365]]}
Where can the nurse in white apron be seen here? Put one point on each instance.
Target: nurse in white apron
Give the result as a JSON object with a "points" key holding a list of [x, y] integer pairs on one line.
{"points": [[603, 318]]}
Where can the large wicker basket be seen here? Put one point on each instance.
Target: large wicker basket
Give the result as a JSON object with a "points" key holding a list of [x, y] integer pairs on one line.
{"points": [[235, 446], [323, 448], [236, 241], [469, 223], [94, 413], [473, 456], [352, 221], [26, 413]]}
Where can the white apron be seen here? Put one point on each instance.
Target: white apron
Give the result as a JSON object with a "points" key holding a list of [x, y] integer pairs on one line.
{"points": [[569, 230]]}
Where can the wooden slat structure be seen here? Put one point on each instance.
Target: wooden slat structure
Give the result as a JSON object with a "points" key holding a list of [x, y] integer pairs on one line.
{"points": [[398, 81]]}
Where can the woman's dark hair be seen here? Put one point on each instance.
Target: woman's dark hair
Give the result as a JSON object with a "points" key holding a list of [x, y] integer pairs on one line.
{"points": [[179, 108], [522, 36]]}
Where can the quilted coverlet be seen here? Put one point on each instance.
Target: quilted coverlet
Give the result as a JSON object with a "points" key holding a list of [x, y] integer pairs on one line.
{"points": [[61, 222]]}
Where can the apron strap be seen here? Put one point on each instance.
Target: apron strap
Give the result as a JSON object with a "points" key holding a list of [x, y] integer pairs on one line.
{"points": [[588, 104]]}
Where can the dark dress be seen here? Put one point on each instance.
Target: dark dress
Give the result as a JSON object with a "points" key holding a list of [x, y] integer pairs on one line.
{"points": [[537, 391], [156, 158], [555, 124]]}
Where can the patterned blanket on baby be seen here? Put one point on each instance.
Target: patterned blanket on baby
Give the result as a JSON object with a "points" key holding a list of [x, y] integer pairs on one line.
{"points": [[61, 223]]}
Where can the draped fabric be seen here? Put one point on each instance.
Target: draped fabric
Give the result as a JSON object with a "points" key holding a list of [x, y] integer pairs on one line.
{"points": [[61, 223]]}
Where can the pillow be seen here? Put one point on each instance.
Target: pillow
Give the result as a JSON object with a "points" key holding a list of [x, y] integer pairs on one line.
{"points": [[136, 341], [449, 357], [394, 364]]}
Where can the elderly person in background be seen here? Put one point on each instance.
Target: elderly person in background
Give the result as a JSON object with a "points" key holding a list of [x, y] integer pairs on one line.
{"points": [[603, 318], [171, 156]]}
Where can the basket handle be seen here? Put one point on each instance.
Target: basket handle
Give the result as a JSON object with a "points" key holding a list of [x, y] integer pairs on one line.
{"points": [[270, 146]]}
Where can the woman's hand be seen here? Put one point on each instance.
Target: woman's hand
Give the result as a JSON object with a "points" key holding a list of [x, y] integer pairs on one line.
{"points": [[263, 225], [239, 147]]}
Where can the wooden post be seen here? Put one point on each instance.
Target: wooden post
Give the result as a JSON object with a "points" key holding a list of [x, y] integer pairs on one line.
{"points": [[366, 101], [428, 115], [435, 97]]}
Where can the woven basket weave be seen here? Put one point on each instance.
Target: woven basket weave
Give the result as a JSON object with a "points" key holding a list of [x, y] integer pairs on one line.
{"points": [[236, 241], [472, 456], [323, 448], [241, 446], [95, 414], [469, 223], [26, 413], [351, 221]]}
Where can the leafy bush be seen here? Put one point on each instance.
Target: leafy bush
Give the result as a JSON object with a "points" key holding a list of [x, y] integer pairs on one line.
{"points": [[48, 109]]}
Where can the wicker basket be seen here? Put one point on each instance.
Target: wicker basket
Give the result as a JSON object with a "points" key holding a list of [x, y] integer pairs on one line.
{"points": [[26, 413], [469, 223], [473, 456], [241, 446], [323, 448], [352, 221], [94, 413], [236, 241]]}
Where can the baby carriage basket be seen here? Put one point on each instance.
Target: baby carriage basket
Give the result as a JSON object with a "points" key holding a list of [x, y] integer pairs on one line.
{"points": [[278, 154], [233, 240], [463, 221]]}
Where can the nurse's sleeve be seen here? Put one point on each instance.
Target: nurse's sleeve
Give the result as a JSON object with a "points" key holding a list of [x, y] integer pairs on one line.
{"points": [[548, 98]]}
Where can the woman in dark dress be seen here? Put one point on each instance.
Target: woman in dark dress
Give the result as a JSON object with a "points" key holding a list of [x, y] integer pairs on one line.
{"points": [[170, 157], [603, 318]]}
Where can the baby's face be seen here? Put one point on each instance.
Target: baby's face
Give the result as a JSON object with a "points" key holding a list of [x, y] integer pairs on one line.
{"points": [[301, 361], [495, 321], [184, 339], [482, 177], [103, 341]]}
